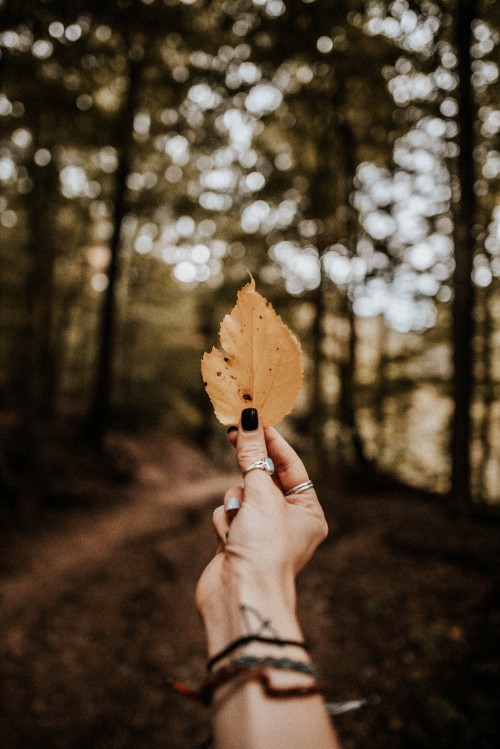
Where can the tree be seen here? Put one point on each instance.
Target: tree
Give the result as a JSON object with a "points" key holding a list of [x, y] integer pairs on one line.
{"points": [[463, 298], [99, 412]]}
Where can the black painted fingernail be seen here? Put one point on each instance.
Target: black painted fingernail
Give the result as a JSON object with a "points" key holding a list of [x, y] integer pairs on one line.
{"points": [[232, 429], [249, 419]]}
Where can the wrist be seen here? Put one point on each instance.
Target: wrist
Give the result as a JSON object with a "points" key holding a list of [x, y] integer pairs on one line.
{"points": [[244, 604]]}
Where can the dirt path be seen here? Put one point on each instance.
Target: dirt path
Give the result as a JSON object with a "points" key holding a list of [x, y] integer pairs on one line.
{"points": [[172, 483]]}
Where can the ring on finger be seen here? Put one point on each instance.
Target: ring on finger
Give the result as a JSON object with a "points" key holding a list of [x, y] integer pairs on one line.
{"points": [[265, 464], [300, 488]]}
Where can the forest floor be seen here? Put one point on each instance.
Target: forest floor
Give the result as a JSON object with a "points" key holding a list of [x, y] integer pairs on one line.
{"points": [[401, 605]]}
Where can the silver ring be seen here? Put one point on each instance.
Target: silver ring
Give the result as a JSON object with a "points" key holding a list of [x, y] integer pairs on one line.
{"points": [[300, 488], [265, 464]]}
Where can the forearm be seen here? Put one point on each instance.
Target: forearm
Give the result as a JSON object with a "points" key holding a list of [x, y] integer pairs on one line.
{"points": [[244, 716]]}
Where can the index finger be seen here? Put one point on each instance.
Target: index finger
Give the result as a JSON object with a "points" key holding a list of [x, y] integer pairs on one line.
{"points": [[251, 449]]}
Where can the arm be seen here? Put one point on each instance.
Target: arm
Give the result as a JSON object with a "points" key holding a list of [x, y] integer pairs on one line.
{"points": [[249, 589], [245, 717]]}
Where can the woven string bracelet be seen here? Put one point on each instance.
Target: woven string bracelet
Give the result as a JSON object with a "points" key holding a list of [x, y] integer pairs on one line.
{"points": [[253, 638], [246, 673], [283, 664]]}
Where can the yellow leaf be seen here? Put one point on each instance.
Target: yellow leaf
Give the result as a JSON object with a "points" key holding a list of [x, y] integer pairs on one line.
{"points": [[261, 366]]}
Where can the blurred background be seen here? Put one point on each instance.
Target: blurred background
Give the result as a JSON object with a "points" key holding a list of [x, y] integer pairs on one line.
{"points": [[152, 152]]}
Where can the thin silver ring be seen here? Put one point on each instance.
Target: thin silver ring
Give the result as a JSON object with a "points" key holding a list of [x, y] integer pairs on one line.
{"points": [[300, 488], [265, 464]]}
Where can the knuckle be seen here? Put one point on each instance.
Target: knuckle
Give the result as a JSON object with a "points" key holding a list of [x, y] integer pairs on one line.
{"points": [[217, 515], [249, 454], [323, 529]]}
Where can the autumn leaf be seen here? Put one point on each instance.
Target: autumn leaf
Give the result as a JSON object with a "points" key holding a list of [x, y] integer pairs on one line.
{"points": [[261, 365]]}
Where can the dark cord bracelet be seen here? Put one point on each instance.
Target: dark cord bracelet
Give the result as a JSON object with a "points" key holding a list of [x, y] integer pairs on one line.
{"points": [[253, 638], [242, 673]]}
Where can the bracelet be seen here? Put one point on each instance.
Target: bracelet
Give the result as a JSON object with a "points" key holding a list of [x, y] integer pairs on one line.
{"points": [[227, 673], [253, 638], [283, 664], [234, 670]]}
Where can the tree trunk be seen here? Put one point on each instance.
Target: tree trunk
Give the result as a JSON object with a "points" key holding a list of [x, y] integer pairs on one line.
{"points": [[100, 407], [39, 376], [347, 407], [317, 402], [380, 390], [463, 301], [208, 331], [321, 208], [488, 398]]}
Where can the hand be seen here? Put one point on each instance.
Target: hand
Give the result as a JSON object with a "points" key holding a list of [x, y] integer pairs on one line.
{"points": [[265, 544], [248, 589]]}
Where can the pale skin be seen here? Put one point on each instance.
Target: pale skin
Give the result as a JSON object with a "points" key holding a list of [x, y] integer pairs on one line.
{"points": [[249, 588]]}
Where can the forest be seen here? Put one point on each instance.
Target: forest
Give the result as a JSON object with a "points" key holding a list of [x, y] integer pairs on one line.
{"points": [[153, 154]]}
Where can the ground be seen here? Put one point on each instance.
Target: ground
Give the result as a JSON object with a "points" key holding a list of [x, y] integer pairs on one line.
{"points": [[401, 605]]}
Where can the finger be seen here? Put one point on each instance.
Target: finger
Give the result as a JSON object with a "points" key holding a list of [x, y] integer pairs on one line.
{"points": [[251, 447], [232, 435], [250, 441], [289, 468], [233, 499], [221, 524]]}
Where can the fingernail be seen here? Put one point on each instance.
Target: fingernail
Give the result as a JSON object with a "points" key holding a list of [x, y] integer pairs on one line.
{"points": [[233, 503], [232, 429], [249, 419]]}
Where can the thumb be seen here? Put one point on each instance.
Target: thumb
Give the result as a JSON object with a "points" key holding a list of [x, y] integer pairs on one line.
{"points": [[251, 444]]}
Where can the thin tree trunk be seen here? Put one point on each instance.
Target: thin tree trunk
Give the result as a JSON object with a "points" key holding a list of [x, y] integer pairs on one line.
{"points": [[37, 375], [317, 402], [347, 406], [488, 398], [380, 390], [40, 374], [207, 330], [463, 301], [5, 19], [321, 209], [100, 407]]}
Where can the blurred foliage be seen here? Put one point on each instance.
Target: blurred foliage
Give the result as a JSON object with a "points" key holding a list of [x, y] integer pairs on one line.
{"points": [[151, 151]]}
